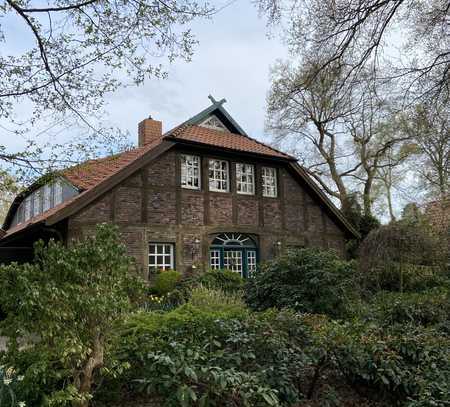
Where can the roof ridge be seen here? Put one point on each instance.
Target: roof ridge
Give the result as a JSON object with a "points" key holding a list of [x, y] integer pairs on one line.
{"points": [[179, 129]]}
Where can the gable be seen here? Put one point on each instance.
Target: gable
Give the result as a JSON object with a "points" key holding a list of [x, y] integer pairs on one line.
{"points": [[216, 117], [213, 130]]}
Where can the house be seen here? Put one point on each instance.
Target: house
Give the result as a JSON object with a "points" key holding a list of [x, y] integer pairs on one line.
{"points": [[204, 193]]}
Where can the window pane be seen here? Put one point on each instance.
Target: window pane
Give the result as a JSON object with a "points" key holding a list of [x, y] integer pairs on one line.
{"points": [[245, 180], [27, 207], [218, 175], [269, 182], [190, 171], [58, 192], [160, 255]]}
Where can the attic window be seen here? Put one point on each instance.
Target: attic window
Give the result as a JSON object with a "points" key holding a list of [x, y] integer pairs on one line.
{"points": [[212, 122]]}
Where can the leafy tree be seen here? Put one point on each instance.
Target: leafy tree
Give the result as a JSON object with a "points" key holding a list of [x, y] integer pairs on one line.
{"points": [[65, 304], [75, 53]]}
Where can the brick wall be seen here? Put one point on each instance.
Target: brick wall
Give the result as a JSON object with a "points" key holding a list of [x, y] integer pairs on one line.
{"points": [[151, 206]]}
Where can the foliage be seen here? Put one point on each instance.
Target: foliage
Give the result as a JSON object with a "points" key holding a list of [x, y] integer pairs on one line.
{"points": [[165, 302], [198, 357], [427, 308], [217, 301], [225, 280], [165, 281], [95, 47], [401, 256], [307, 280], [406, 365], [63, 308], [8, 382]]}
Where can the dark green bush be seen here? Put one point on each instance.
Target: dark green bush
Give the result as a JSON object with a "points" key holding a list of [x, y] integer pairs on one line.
{"points": [[426, 308], [306, 280], [224, 280], [194, 357], [406, 365], [165, 281]]}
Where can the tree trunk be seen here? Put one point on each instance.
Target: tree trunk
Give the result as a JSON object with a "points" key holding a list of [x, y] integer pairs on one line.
{"points": [[83, 382], [367, 195], [389, 200]]}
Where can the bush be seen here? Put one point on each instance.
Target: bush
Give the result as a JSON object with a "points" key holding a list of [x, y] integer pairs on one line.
{"points": [[8, 384], [224, 280], [306, 280], [207, 299], [191, 356], [165, 281], [401, 257], [427, 308], [405, 366], [70, 298]]}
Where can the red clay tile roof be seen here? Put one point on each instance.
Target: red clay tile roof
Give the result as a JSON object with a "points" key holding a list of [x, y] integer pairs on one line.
{"points": [[86, 176], [89, 174], [226, 140]]}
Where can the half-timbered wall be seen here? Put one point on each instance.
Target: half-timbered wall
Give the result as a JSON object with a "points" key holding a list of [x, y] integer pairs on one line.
{"points": [[152, 206]]}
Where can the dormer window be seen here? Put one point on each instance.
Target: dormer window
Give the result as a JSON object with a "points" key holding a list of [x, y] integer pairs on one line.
{"points": [[42, 199], [190, 171], [48, 198]]}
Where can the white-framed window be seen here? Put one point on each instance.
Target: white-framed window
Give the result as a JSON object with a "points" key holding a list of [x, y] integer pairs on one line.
{"points": [[218, 176], [47, 202], [269, 182], [27, 208], [161, 256], [232, 260], [251, 262], [245, 179], [37, 203], [58, 196], [214, 259], [190, 171]]}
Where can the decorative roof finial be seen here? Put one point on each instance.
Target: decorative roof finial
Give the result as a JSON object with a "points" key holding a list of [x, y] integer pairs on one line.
{"points": [[215, 102]]}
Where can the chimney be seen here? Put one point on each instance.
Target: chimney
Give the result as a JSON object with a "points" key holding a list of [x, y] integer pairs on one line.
{"points": [[149, 130]]}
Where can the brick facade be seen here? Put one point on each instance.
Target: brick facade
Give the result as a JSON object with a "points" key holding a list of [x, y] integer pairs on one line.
{"points": [[151, 206]]}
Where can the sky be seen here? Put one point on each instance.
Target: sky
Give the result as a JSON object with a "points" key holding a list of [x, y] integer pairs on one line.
{"points": [[231, 61]]}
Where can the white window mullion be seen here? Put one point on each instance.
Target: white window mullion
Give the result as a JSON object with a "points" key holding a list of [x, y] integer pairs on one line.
{"points": [[245, 179], [218, 176], [269, 182], [161, 256], [190, 171]]}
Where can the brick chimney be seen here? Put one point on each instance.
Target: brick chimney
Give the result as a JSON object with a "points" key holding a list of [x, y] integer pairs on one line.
{"points": [[149, 130]]}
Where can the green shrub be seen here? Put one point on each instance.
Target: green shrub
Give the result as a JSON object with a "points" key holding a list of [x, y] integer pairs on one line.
{"points": [[406, 365], [224, 280], [191, 356], [306, 280], [425, 308], [165, 281], [70, 298], [217, 301], [8, 384]]}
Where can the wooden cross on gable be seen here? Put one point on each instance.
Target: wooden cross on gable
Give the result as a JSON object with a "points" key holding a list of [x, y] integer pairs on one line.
{"points": [[215, 102]]}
